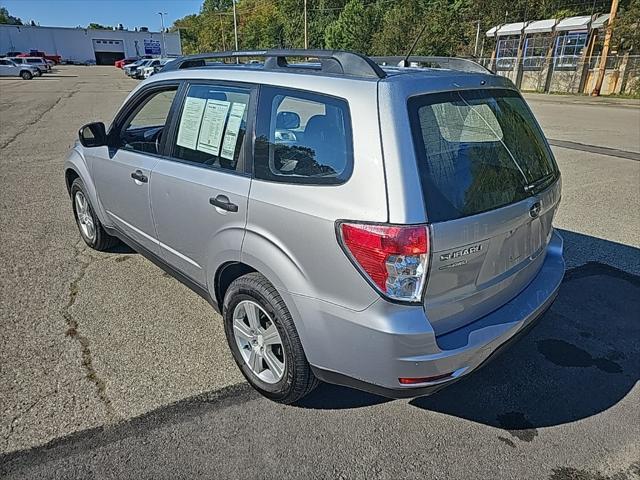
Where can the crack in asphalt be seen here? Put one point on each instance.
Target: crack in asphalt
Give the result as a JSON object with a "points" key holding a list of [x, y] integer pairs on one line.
{"points": [[12, 139], [21, 414], [72, 331]]}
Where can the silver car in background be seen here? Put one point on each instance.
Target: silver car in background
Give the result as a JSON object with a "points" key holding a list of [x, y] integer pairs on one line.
{"points": [[384, 228], [151, 67], [8, 68], [37, 62]]}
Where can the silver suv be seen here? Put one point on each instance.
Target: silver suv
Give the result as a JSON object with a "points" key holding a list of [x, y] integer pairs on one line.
{"points": [[385, 228], [9, 68]]}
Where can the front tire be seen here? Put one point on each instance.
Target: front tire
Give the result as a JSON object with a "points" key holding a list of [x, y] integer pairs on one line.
{"points": [[91, 230], [26, 75], [264, 341]]}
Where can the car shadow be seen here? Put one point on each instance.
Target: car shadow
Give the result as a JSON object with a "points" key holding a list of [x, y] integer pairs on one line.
{"points": [[580, 359], [335, 397], [121, 248]]}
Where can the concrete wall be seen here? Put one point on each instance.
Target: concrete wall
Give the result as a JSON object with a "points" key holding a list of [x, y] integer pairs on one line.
{"points": [[77, 43], [566, 81], [616, 80], [534, 80]]}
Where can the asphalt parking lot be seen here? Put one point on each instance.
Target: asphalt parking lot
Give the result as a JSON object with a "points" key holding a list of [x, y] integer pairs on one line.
{"points": [[110, 368]]}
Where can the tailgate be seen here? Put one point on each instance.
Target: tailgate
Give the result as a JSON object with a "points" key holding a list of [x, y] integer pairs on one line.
{"points": [[483, 261]]}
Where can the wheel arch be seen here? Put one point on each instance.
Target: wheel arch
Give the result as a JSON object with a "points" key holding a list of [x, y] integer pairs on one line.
{"points": [[76, 167], [70, 176], [224, 277]]}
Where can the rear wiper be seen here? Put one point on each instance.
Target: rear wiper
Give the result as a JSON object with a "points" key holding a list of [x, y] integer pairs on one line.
{"points": [[498, 137], [538, 182]]}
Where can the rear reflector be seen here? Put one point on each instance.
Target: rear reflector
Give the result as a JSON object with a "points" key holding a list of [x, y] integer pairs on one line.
{"points": [[393, 257], [414, 381]]}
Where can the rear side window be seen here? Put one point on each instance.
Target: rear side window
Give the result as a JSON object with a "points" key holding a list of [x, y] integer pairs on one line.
{"points": [[212, 126], [477, 151], [302, 137]]}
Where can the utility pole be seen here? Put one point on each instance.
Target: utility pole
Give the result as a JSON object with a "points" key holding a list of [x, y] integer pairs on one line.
{"points": [[235, 25], [164, 44], [306, 39], [605, 49], [475, 50], [224, 44]]}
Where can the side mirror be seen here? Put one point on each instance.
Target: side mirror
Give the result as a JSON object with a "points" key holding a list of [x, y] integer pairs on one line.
{"points": [[93, 135]]}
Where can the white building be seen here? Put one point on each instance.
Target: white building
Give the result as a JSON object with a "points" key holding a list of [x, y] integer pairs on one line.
{"points": [[81, 44]]}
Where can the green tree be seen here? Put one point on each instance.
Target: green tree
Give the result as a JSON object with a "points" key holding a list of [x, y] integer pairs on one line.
{"points": [[627, 27], [321, 13], [381, 27], [261, 26], [399, 26], [352, 30], [7, 19], [188, 28], [212, 6], [97, 26]]}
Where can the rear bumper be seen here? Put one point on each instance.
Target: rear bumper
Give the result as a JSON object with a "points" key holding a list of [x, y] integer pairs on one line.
{"points": [[371, 349]]}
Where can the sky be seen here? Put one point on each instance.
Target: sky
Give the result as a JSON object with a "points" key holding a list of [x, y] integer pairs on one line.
{"points": [[71, 13]]}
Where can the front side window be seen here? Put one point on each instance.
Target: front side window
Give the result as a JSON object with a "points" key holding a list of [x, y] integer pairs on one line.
{"points": [[302, 137], [143, 129], [477, 151], [212, 126]]}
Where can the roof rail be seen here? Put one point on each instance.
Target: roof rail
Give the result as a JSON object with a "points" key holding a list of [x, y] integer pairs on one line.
{"points": [[453, 63], [331, 61]]}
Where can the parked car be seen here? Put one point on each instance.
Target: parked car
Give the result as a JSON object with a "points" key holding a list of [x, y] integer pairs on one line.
{"points": [[125, 61], [150, 68], [130, 70], [387, 229], [8, 68], [37, 62]]}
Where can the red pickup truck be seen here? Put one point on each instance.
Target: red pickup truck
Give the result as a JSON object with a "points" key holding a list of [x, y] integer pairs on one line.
{"points": [[37, 53]]}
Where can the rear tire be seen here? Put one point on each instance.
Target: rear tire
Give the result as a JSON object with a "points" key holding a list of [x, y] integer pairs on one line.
{"points": [[26, 75], [293, 378], [91, 230]]}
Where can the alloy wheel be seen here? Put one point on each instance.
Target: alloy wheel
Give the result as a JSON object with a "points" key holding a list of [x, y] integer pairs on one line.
{"points": [[259, 342], [85, 219]]}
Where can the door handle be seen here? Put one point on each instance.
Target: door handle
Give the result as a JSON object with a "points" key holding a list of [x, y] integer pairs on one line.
{"points": [[222, 201], [138, 175]]}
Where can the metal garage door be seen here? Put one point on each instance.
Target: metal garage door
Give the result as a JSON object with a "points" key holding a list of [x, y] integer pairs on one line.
{"points": [[108, 51]]}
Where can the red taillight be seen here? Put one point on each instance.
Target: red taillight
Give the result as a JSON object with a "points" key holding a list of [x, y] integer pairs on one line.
{"points": [[394, 257], [414, 381]]}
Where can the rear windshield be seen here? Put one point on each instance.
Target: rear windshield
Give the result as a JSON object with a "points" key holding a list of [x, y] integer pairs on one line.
{"points": [[477, 150]]}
